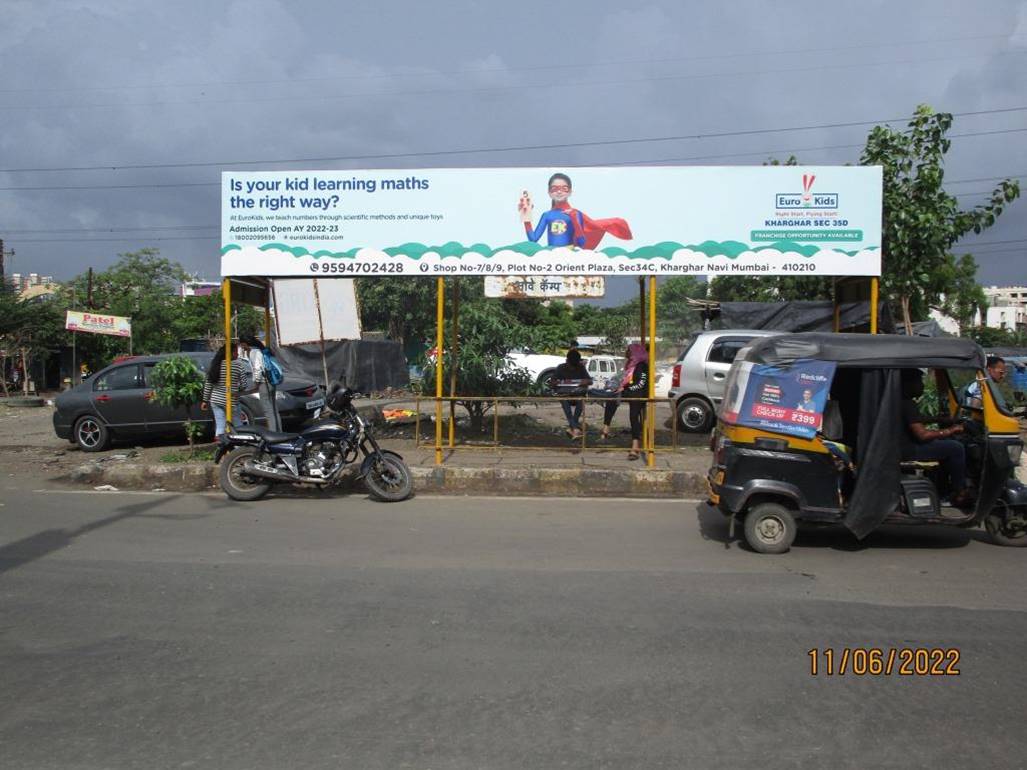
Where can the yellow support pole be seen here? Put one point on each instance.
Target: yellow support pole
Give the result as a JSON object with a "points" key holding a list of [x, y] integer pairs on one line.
{"points": [[650, 459], [226, 295], [454, 361], [440, 343], [875, 286]]}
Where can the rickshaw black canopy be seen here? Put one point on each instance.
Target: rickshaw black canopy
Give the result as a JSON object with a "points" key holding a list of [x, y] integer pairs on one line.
{"points": [[869, 350]]}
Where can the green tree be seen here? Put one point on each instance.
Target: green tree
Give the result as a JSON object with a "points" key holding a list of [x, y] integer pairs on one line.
{"points": [[143, 286], [922, 222], [486, 336], [675, 318], [964, 297], [30, 329], [404, 307], [782, 288], [178, 384]]}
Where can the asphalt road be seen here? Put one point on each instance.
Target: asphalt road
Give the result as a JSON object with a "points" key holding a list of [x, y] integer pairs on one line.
{"points": [[164, 631]]}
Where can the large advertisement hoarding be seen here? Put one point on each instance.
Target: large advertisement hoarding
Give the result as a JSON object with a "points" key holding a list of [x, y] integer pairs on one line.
{"points": [[733, 220]]}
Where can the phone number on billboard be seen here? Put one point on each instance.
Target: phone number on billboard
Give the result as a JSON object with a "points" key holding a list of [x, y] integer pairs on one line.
{"points": [[364, 268]]}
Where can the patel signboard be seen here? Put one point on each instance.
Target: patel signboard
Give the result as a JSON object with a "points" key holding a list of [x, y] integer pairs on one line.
{"points": [[679, 220], [97, 323]]}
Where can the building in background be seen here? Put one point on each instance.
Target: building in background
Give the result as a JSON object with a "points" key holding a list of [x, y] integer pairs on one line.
{"points": [[1007, 308], [33, 284], [198, 288]]}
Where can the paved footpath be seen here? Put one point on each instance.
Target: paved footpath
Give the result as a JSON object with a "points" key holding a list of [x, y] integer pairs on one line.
{"points": [[166, 631]]}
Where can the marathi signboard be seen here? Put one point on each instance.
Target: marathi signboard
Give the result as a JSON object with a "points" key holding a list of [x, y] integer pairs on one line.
{"points": [[545, 286], [734, 220], [97, 323], [784, 399]]}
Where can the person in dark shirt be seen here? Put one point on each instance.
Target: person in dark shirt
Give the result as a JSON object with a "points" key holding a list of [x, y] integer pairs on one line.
{"points": [[572, 374], [921, 443], [635, 384]]}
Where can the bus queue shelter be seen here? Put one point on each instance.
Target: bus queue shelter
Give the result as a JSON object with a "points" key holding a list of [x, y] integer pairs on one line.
{"points": [[672, 220]]}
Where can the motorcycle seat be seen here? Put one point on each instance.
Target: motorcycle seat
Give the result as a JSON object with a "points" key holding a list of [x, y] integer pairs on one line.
{"points": [[270, 436]]}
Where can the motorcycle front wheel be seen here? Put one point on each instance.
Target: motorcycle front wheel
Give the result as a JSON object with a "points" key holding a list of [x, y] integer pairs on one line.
{"points": [[238, 484], [1006, 525], [389, 479]]}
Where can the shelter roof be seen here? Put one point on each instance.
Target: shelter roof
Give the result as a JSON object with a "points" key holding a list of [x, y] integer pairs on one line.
{"points": [[884, 351]]}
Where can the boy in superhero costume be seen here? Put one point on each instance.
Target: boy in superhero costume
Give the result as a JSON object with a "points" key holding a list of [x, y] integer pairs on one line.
{"points": [[565, 225]]}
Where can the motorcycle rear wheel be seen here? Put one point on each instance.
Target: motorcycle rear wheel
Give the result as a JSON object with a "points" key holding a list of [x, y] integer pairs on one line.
{"points": [[389, 479], [237, 484]]}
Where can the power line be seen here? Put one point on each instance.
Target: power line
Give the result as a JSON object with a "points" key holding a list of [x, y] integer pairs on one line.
{"points": [[992, 243], [495, 89], [114, 240], [114, 229], [656, 161], [510, 148], [511, 70]]}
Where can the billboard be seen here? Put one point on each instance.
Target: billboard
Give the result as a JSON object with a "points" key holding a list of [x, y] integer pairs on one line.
{"points": [[98, 323], [545, 286], [674, 220]]}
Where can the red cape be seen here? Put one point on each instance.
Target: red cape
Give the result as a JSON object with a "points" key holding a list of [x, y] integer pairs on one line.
{"points": [[595, 229]]}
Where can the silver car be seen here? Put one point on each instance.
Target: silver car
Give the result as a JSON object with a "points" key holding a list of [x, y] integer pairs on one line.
{"points": [[697, 380]]}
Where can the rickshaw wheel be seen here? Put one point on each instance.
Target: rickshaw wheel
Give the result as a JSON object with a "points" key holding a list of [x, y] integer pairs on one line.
{"points": [[1002, 532], [770, 528]]}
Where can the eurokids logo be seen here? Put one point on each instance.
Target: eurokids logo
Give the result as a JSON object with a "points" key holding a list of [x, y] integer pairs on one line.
{"points": [[807, 199]]}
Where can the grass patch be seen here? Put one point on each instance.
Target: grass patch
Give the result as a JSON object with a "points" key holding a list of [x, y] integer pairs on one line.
{"points": [[183, 456]]}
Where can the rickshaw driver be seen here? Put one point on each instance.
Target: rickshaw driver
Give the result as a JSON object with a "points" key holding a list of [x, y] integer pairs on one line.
{"points": [[996, 368], [921, 443]]}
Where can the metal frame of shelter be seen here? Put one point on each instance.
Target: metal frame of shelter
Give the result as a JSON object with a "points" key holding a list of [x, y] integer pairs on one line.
{"points": [[649, 426], [256, 290], [248, 291]]}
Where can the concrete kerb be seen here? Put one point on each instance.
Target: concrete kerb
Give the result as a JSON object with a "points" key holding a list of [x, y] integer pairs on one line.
{"points": [[454, 480]]}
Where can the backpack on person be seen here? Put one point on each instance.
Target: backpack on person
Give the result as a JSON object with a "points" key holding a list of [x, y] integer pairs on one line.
{"points": [[273, 372]]}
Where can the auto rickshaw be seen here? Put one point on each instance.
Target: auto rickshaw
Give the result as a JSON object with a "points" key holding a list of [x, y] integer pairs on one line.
{"points": [[811, 432]]}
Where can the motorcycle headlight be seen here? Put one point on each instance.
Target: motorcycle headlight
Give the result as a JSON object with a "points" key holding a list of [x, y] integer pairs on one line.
{"points": [[1015, 451]]}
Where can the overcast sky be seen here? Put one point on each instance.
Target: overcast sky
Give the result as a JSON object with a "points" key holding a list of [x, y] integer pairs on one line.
{"points": [[164, 96]]}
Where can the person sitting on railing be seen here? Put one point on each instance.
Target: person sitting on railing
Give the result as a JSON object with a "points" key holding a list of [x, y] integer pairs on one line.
{"points": [[572, 378]]}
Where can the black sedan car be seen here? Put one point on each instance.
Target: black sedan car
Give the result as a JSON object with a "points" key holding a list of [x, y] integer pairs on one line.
{"points": [[118, 403]]}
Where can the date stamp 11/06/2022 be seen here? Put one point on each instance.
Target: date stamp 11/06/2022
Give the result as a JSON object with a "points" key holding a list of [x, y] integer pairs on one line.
{"points": [[884, 661]]}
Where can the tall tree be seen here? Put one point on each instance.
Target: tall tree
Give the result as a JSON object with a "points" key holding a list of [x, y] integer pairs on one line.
{"points": [[922, 222], [675, 318]]}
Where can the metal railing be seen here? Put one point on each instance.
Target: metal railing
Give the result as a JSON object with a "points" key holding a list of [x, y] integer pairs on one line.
{"points": [[445, 425]]}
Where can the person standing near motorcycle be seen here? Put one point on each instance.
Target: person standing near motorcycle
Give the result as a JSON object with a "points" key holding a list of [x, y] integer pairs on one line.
{"points": [[254, 350], [215, 387]]}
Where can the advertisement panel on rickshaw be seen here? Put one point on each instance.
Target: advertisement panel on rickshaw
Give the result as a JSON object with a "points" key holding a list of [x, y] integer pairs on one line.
{"points": [[787, 399]]}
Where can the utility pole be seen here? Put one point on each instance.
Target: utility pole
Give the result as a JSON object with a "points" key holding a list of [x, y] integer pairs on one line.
{"points": [[3, 265], [89, 290]]}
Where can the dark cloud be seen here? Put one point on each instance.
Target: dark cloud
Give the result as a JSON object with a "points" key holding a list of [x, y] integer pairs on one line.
{"points": [[127, 82]]}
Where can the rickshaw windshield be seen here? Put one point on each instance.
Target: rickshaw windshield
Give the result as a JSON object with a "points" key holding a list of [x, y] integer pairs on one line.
{"points": [[787, 398]]}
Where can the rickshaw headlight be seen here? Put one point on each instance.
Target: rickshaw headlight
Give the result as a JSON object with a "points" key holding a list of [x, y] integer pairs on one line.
{"points": [[1015, 450]]}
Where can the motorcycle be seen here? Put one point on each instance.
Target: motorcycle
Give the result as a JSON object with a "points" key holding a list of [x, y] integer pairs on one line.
{"points": [[255, 458]]}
